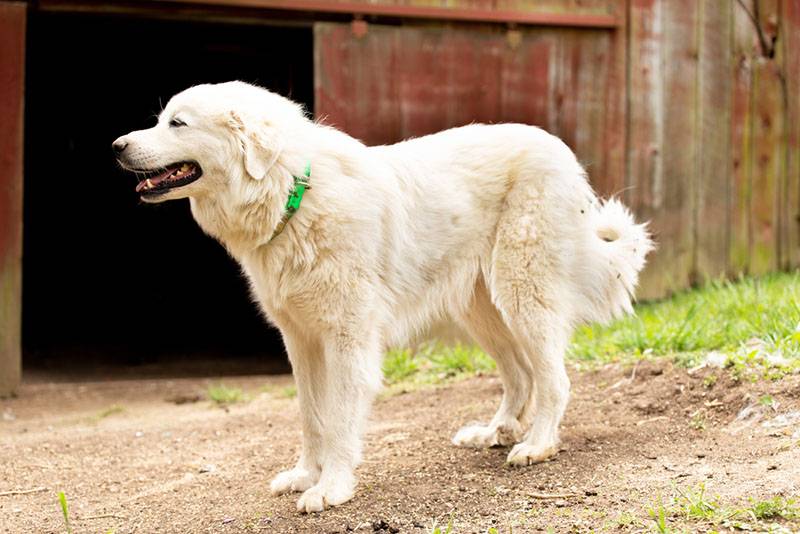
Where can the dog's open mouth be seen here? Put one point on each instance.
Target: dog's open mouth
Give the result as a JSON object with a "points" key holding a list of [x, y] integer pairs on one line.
{"points": [[175, 175]]}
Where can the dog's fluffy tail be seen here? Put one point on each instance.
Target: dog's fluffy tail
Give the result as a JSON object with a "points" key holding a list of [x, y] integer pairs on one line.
{"points": [[615, 255]]}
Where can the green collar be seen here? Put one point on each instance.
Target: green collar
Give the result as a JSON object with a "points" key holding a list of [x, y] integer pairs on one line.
{"points": [[295, 198]]}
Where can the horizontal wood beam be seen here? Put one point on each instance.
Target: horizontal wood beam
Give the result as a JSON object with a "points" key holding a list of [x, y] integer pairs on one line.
{"points": [[360, 9]]}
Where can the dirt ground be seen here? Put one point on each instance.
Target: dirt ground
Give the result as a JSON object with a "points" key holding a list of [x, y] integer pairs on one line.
{"points": [[146, 456]]}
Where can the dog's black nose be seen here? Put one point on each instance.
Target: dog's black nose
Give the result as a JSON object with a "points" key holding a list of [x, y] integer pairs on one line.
{"points": [[119, 146]]}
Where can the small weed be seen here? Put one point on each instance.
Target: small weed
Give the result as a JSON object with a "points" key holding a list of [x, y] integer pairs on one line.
{"points": [[777, 507], [659, 516], [223, 395], [626, 519], [289, 392], [448, 529], [709, 381], [111, 410], [696, 505], [698, 421], [102, 414], [766, 400], [62, 501]]}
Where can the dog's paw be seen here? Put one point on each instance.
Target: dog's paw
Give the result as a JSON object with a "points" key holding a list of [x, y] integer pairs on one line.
{"points": [[482, 437], [527, 454], [326, 494], [297, 479]]}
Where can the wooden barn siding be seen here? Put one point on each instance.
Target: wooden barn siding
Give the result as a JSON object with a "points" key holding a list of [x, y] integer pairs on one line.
{"points": [[677, 110], [12, 75], [401, 81], [716, 168]]}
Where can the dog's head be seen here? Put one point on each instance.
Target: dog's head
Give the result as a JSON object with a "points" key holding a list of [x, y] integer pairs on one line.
{"points": [[209, 139]]}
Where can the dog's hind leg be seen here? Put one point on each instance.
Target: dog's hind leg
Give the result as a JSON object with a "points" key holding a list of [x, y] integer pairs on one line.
{"points": [[305, 355], [546, 340], [529, 284], [484, 323]]}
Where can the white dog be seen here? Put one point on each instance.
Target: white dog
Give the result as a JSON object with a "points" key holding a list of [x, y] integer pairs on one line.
{"points": [[494, 226]]}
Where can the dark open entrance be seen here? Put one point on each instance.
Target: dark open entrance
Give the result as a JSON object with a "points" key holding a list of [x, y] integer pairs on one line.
{"points": [[110, 283]]}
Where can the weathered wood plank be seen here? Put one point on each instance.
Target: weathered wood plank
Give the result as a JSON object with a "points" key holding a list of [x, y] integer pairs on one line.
{"points": [[765, 208], [645, 115], [713, 177], [12, 78], [790, 58], [675, 221], [597, 93]]}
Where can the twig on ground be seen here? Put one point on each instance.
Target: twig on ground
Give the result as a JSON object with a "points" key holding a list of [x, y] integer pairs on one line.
{"points": [[22, 492], [633, 373], [103, 516], [546, 496], [43, 466], [651, 420], [627, 381]]}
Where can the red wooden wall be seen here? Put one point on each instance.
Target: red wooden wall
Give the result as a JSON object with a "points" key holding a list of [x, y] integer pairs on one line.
{"points": [[395, 82], [678, 109], [12, 76]]}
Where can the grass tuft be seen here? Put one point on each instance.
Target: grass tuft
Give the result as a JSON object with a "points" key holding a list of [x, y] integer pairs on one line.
{"points": [[775, 508], [62, 501], [111, 410], [289, 392], [223, 395], [434, 363]]}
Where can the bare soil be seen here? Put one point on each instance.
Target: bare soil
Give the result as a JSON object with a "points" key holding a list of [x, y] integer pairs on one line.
{"points": [[147, 456]]}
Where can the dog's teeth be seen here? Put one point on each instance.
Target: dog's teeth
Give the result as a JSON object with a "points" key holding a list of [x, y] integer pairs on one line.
{"points": [[185, 167], [148, 183]]}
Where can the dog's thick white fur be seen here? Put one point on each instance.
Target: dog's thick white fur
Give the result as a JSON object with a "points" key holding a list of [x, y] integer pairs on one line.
{"points": [[494, 226]]}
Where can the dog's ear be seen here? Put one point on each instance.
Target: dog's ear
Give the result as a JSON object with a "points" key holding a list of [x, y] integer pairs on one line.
{"points": [[260, 147]]}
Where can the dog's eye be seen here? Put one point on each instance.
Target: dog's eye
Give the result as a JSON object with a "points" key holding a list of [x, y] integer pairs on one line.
{"points": [[176, 123]]}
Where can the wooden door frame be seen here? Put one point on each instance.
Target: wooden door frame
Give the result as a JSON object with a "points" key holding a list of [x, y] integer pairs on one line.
{"points": [[13, 19]]}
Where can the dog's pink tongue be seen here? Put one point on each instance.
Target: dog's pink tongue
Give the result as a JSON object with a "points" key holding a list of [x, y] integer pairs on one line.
{"points": [[153, 181]]}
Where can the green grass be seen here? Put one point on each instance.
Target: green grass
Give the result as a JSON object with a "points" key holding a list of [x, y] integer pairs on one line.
{"points": [[721, 316], [62, 501], [775, 508], [222, 395], [111, 410], [434, 363], [694, 507], [289, 392]]}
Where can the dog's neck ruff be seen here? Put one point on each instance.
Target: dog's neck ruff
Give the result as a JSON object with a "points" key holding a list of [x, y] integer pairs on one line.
{"points": [[295, 198]]}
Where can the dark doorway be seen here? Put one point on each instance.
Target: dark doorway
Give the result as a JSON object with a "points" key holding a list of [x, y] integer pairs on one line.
{"points": [[109, 282]]}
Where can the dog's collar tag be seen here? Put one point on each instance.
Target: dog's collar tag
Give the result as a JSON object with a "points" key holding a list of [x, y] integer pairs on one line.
{"points": [[297, 192], [295, 198]]}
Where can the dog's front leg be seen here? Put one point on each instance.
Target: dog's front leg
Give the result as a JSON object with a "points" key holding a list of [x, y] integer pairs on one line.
{"points": [[352, 378], [308, 369]]}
